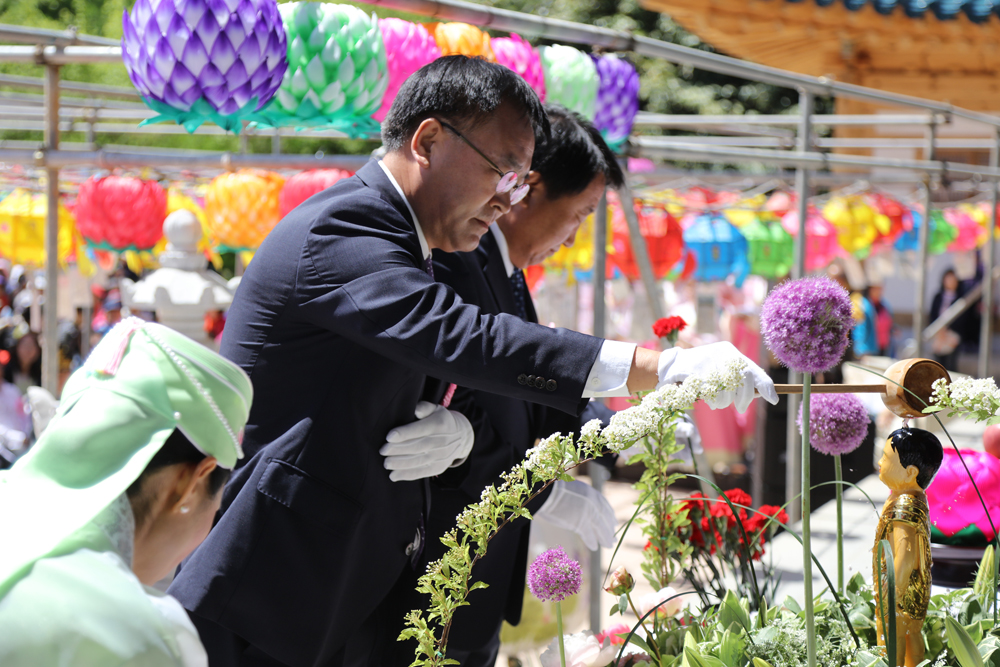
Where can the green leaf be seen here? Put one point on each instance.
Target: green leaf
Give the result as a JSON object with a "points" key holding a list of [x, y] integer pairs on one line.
{"points": [[731, 611], [961, 644], [760, 662], [791, 605], [479, 584], [623, 604]]}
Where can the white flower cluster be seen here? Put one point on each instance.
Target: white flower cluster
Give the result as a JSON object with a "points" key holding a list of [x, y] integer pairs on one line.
{"points": [[979, 398], [637, 422]]}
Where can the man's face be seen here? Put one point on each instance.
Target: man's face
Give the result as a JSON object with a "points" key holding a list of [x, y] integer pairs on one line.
{"points": [[890, 471], [539, 226], [457, 201]]}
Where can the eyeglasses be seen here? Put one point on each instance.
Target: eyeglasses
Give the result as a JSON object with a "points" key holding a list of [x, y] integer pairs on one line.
{"points": [[508, 181]]}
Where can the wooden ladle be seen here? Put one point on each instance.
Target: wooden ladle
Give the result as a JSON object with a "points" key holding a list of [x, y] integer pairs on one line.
{"points": [[915, 375]]}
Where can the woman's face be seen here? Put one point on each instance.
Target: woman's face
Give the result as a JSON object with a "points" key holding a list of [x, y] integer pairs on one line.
{"points": [[27, 351], [950, 281]]}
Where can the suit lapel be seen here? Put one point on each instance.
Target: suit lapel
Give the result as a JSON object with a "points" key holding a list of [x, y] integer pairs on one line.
{"points": [[372, 176], [496, 274]]}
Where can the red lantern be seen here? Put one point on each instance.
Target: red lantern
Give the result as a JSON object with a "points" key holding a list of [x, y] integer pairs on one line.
{"points": [[121, 212], [661, 231], [302, 186]]}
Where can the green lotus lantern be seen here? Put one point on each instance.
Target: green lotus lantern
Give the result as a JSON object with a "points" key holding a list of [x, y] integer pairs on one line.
{"points": [[337, 72], [770, 248], [570, 78]]}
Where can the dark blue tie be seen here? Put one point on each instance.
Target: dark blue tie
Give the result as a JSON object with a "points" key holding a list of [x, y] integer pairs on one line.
{"points": [[520, 290], [429, 267]]}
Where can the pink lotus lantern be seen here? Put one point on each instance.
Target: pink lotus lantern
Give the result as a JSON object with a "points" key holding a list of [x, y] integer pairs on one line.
{"points": [[121, 212], [970, 232], [302, 186], [408, 47], [517, 54], [821, 237]]}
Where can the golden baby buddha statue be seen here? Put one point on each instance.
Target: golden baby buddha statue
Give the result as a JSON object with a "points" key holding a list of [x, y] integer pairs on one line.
{"points": [[910, 459]]}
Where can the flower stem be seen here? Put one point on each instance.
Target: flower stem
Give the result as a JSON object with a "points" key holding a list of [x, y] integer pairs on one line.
{"points": [[649, 635], [806, 531], [838, 472], [559, 633]]}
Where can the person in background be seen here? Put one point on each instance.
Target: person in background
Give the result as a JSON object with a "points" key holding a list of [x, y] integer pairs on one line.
{"points": [[15, 422], [945, 344], [873, 332], [122, 484], [25, 369]]}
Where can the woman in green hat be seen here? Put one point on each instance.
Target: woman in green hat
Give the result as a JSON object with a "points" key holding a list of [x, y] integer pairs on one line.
{"points": [[121, 486]]}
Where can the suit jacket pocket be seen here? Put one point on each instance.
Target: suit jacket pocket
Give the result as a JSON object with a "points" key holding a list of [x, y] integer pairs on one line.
{"points": [[308, 496]]}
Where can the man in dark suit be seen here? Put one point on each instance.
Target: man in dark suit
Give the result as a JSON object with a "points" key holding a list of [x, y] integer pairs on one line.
{"points": [[339, 322], [569, 172]]}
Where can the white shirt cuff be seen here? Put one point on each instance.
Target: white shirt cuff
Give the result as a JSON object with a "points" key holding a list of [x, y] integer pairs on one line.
{"points": [[609, 375]]}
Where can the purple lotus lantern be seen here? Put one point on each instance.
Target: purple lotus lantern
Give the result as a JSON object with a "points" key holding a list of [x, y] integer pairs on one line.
{"points": [[617, 98], [204, 60]]}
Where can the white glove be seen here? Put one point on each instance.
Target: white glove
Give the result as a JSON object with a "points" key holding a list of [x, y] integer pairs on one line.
{"points": [[438, 440], [676, 365], [577, 506]]}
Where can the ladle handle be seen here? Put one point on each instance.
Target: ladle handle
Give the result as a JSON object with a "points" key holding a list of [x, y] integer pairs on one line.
{"points": [[832, 388]]}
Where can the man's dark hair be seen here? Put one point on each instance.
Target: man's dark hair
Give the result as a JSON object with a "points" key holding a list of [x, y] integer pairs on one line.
{"points": [[463, 91], [573, 155], [176, 449], [920, 448]]}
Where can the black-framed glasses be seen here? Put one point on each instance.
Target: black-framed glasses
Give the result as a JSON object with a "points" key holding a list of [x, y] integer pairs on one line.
{"points": [[508, 180]]}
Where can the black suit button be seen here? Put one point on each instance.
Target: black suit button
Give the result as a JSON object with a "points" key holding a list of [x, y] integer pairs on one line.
{"points": [[551, 385], [522, 379], [539, 382], [531, 380]]}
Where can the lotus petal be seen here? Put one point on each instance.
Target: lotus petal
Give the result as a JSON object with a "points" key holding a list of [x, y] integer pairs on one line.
{"points": [[241, 94], [192, 11], [195, 57], [286, 100], [219, 10], [211, 77], [237, 76], [223, 55], [235, 33], [298, 55], [316, 73], [345, 73], [178, 35], [208, 31], [163, 59], [250, 55], [300, 84], [332, 52], [163, 14]]}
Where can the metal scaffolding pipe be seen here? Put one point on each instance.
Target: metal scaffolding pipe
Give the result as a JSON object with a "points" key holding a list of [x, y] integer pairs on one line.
{"points": [[667, 149], [22, 35], [923, 237], [58, 55], [70, 86], [986, 330], [106, 159], [50, 340], [646, 119]]}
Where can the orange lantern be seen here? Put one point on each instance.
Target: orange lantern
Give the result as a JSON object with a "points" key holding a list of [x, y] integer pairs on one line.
{"points": [[461, 39], [304, 185], [241, 208], [121, 212]]}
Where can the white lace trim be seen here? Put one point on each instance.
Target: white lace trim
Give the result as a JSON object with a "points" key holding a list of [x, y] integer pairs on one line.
{"points": [[117, 522]]}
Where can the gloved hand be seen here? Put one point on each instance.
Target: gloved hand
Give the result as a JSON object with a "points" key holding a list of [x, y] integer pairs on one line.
{"points": [[577, 506], [676, 365], [438, 440]]}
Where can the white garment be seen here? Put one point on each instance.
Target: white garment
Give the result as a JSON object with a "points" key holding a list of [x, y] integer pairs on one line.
{"points": [[86, 608]]}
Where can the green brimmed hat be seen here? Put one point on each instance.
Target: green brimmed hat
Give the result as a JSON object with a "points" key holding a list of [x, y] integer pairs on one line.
{"points": [[140, 383]]}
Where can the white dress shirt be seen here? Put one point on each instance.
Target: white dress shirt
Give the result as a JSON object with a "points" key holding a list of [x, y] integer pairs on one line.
{"points": [[609, 374]]}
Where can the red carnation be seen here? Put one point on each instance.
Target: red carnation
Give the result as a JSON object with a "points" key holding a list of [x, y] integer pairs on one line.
{"points": [[669, 327]]}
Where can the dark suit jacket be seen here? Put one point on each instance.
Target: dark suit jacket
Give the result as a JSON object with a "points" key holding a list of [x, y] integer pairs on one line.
{"points": [[338, 326], [509, 427]]}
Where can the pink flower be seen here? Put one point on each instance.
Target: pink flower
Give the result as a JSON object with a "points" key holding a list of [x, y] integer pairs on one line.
{"points": [[666, 601], [554, 576], [806, 323], [616, 634]]}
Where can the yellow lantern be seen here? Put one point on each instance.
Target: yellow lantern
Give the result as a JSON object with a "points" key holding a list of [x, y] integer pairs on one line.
{"points": [[456, 39], [241, 208], [855, 223], [22, 229]]}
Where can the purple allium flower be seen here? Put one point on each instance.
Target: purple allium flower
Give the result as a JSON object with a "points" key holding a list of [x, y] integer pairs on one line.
{"points": [[806, 322], [838, 423], [554, 576]]}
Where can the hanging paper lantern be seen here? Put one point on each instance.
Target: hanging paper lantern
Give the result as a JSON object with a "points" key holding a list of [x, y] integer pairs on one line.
{"points": [[304, 185], [855, 223], [780, 203], [242, 207], [719, 248], [770, 249], [660, 230], [461, 39], [22, 229], [195, 61], [747, 211], [617, 98], [821, 237], [891, 217], [408, 47], [337, 71], [515, 53], [942, 233], [570, 78], [121, 212], [970, 233]]}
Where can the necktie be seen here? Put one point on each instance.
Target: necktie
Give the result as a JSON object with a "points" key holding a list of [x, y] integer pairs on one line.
{"points": [[429, 267], [520, 290]]}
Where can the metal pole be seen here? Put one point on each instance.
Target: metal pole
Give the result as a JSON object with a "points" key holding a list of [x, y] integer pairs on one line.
{"points": [[641, 253], [276, 142], [598, 474], [793, 442], [50, 342], [923, 236], [986, 332]]}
